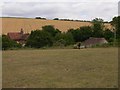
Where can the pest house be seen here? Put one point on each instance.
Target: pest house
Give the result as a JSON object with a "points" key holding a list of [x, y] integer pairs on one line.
{"points": [[19, 37], [94, 41]]}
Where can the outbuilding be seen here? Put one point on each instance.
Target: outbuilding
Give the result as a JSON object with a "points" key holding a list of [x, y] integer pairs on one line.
{"points": [[19, 37], [94, 41]]}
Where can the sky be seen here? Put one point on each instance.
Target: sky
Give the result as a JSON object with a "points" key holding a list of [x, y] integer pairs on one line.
{"points": [[63, 9]]}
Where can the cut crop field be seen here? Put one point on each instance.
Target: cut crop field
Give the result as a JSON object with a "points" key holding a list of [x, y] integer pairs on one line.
{"points": [[60, 68], [28, 24]]}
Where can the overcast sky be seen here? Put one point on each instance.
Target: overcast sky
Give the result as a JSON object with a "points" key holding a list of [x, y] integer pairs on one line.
{"points": [[69, 9]]}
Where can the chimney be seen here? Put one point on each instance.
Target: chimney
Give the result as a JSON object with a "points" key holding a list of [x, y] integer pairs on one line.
{"points": [[21, 31]]}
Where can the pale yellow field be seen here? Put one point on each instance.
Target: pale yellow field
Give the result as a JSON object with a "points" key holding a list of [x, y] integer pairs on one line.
{"points": [[15, 24]]}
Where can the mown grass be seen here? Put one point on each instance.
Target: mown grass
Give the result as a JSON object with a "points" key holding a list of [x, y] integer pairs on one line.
{"points": [[61, 68]]}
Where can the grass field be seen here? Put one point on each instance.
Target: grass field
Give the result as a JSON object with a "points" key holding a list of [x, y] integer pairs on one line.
{"points": [[15, 24], [61, 68]]}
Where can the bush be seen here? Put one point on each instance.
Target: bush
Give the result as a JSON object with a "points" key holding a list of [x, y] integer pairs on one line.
{"points": [[60, 42], [67, 38], [110, 44], [7, 43]]}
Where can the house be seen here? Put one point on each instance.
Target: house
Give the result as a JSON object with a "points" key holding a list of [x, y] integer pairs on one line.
{"points": [[19, 37], [94, 41]]}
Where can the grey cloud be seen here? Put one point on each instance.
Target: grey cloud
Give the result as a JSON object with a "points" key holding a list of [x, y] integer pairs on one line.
{"points": [[60, 0], [76, 10]]}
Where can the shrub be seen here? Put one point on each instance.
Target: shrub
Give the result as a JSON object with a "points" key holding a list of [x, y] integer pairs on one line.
{"points": [[67, 38], [60, 42], [7, 43]]}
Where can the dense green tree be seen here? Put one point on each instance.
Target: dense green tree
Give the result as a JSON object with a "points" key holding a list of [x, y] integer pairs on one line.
{"points": [[40, 18], [109, 35], [39, 38], [76, 34], [0, 42], [51, 30], [85, 33], [97, 27], [81, 34], [116, 23], [56, 19]]}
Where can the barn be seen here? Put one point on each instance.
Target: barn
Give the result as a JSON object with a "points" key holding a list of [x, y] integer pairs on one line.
{"points": [[94, 41]]}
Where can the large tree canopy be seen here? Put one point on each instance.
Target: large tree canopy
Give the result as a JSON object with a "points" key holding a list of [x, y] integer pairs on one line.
{"points": [[51, 30], [97, 27], [38, 39], [108, 35], [116, 23], [81, 33]]}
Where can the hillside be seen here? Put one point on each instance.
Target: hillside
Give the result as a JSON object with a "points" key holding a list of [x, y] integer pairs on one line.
{"points": [[28, 24]]}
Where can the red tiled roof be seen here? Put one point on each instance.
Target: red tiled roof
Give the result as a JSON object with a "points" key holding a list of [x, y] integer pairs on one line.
{"points": [[14, 36], [17, 36]]}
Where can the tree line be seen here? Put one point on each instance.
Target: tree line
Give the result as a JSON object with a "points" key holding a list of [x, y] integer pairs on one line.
{"points": [[50, 36]]}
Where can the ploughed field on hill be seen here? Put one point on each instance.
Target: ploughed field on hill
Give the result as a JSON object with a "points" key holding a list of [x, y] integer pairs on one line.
{"points": [[28, 24], [61, 68]]}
